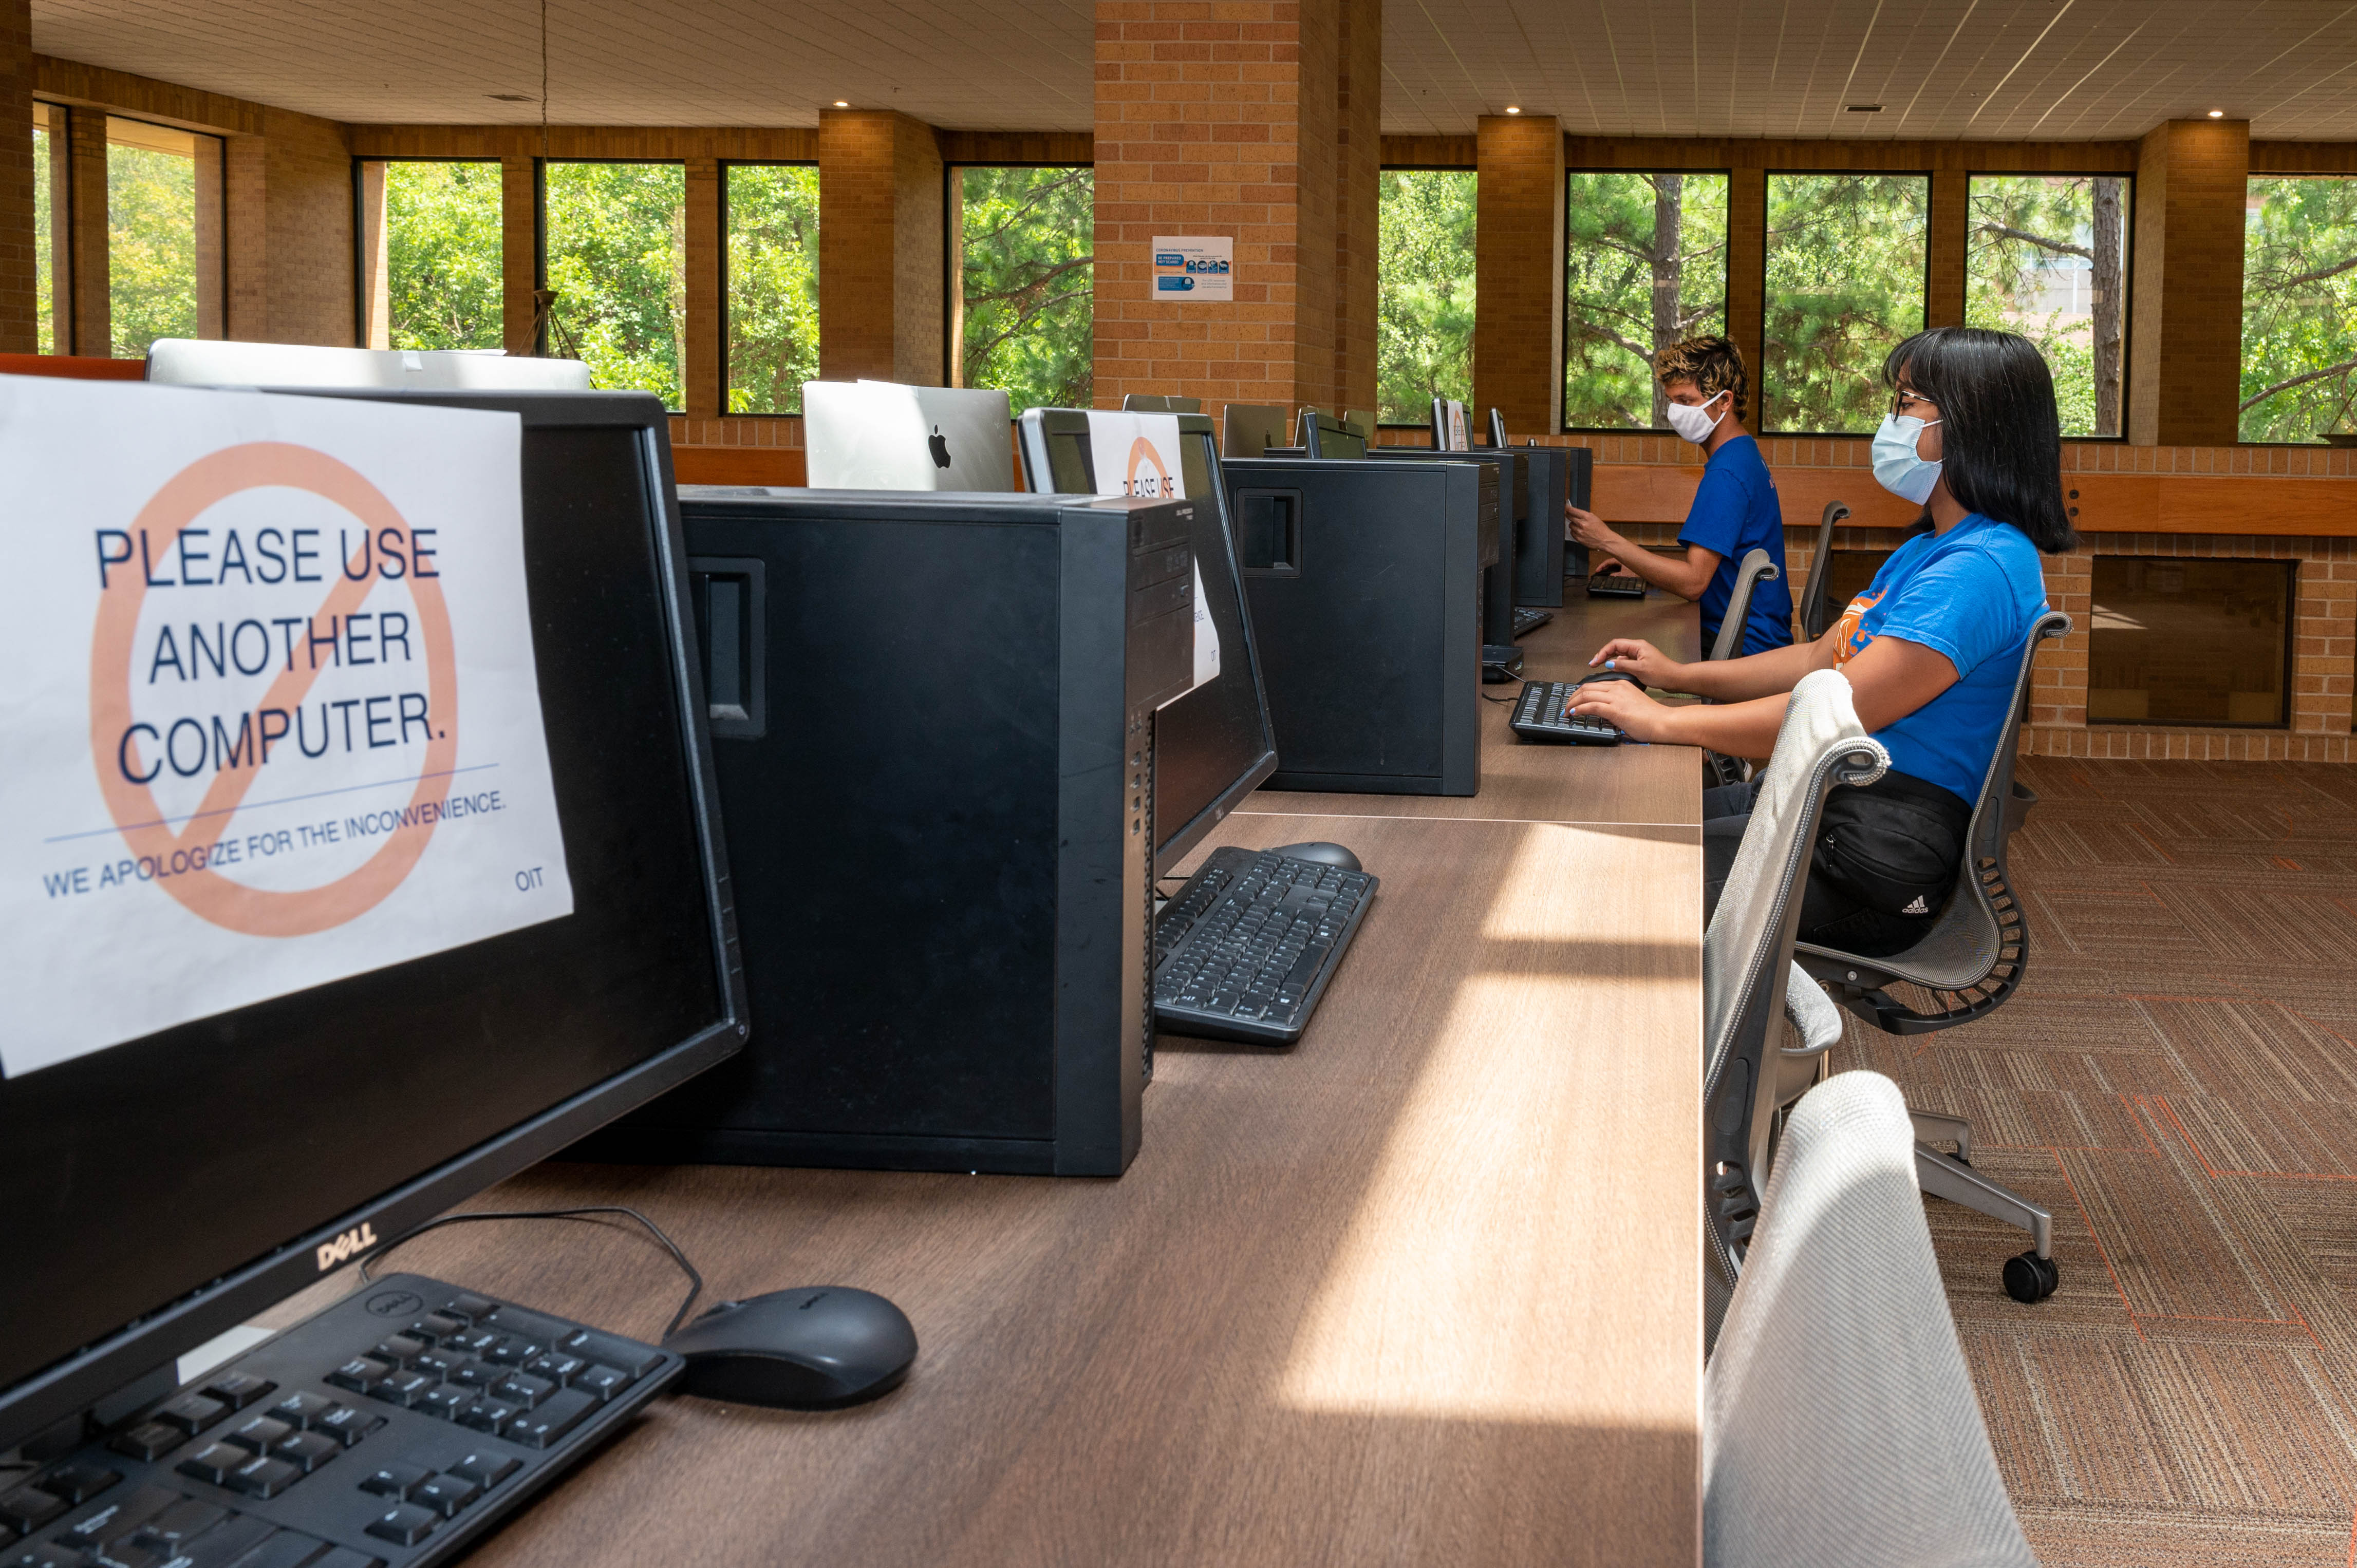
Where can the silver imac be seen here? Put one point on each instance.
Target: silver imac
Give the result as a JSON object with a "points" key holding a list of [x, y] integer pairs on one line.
{"points": [[212, 362], [882, 436]]}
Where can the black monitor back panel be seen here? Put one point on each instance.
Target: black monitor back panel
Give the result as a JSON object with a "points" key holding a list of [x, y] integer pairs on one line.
{"points": [[1538, 537], [943, 895], [1364, 583], [1499, 577]]}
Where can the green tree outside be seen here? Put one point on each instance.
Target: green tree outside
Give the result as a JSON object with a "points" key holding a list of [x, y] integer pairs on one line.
{"points": [[615, 238], [772, 237], [442, 256], [151, 247], [1029, 240], [2045, 256], [1845, 271], [45, 278], [1424, 292], [1644, 267], [2300, 307]]}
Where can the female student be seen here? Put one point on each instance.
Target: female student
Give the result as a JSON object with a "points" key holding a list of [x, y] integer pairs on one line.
{"points": [[1932, 648]]}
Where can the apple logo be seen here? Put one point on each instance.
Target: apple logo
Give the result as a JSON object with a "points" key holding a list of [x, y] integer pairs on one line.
{"points": [[940, 448]]}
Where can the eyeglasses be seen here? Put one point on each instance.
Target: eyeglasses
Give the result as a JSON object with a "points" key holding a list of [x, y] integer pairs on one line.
{"points": [[1899, 404]]}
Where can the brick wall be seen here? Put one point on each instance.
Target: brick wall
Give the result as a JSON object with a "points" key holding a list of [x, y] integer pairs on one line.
{"points": [[1218, 119], [1358, 175], [2185, 304], [879, 244], [19, 285], [1518, 270], [291, 251]]}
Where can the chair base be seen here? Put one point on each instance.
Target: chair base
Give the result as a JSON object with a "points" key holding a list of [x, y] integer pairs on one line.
{"points": [[2033, 1275]]}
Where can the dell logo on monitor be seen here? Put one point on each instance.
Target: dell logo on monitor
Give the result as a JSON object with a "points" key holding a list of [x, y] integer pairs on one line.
{"points": [[344, 1245]]}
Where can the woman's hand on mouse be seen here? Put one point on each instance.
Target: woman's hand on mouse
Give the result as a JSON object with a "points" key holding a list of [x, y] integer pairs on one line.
{"points": [[1622, 703], [1634, 656]]}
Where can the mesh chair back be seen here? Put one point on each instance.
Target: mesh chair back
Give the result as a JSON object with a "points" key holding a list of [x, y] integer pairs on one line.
{"points": [[1817, 614], [1756, 568], [1839, 1424], [1747, 955]]}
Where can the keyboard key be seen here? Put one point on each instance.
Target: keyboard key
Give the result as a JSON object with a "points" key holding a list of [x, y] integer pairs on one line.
{"points": [[446, 1495], [257, 1432], [96, 1526], [479, 1376], [347, 1425], [184, 1521], [557, 1367], [148, 1440], [523, 1388], [485, 1470], [473, 1341], [307, 1451], [436, 1328], [214, 1463], [515, 1349], [441, 1361], [405, 1525], [395, 1481], [400, 1350], [407, 1388], [635, 1359], [472, 1309], [77, 1483], [552, 1421], [447, 1402], [227, 1542], [493, 1416], [342, 1557], [46, 1557], [302, 1412], [361, 1374], [263, 1476], [287, 1549], [131, 1555], [238, 1390]]}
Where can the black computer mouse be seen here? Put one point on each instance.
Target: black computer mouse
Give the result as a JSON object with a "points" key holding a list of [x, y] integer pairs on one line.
{"points": [[1322, 852], [820, 1347], [1610, 675]]}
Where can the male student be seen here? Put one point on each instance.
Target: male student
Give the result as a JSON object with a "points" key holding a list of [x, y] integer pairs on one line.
{"points": [[1735, 511]]}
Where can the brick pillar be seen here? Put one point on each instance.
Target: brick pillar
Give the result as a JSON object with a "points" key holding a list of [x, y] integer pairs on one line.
{"points": [[879, 248], [376, 272], [702, 356], [1358, 175], [288, 233], [213, 240], [1518, 272], [519, 255], [2185, 309], [1951, 216], [245, 180], [1746, 274], [20, 293], [1218, 120], [93, 326]]}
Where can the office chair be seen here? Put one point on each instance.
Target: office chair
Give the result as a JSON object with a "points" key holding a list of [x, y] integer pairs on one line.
{"points": [[1815, 613], [1971, 960], [1840, 1428], [1756, 568], [1747, 975]]}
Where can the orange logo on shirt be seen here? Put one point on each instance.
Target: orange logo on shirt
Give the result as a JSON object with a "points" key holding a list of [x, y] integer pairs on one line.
{"points": [[1851, 638]]}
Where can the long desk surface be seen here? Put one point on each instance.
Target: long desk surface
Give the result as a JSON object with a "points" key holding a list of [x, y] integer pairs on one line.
{"points": [[1424, 1289]]}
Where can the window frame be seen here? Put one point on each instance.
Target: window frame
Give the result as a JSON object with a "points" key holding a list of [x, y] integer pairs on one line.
{"points": [[1726, 290], [2249, 175], [1382, 169], [725, 165], [2287, 675], [1766, 431], [2127, 271]]}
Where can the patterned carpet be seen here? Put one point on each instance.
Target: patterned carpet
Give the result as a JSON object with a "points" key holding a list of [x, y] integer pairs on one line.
{"points": [[2177, 1080]]}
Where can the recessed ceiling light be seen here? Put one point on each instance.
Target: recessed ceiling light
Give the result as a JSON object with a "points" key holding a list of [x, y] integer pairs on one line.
{"points": [[511, 97], [842, 104], [1862, 109], [1513, 108], [2217, 113]]}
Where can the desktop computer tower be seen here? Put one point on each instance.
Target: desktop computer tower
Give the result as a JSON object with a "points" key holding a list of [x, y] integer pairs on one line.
{"points": [[1538, 537], [1364, 583], [1578, 490], [942, 838]]}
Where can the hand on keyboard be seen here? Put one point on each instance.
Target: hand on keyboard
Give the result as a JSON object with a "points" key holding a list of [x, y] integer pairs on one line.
{"points": [[1622, 704]]}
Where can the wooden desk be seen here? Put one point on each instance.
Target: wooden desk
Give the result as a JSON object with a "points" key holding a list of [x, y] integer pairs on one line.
{"points": [[1423, 1290]]}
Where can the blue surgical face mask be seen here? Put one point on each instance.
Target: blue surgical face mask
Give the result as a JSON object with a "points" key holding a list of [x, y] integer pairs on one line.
{"points": [[1897, 469]]}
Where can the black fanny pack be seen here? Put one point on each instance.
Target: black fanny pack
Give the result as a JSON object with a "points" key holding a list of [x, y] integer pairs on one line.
{"points": [[1894, 844]]}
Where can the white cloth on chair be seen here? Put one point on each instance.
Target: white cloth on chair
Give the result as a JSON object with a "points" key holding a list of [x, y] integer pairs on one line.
{"points": [[1840, 1428], [1814, 1016]]}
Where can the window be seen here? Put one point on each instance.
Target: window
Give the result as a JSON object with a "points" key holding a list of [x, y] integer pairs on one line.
{"points": [[156, 205], [615, 260], [1644, 267], [2045, 256], [1026, 282], [53, 332], [2189, 642], [1424, 292], [443, 284], [772, 215], [1845, 270], [2300, 307]]}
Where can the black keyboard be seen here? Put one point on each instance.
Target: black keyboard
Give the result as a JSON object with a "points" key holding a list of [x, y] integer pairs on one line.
{"points": [[1616, 586], [392, 1428], [1540, 714], [1528, 620], [1246, 949]]}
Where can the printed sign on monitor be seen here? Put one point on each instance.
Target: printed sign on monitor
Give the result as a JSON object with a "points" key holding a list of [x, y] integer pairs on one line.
{"points": [[271, 715]]}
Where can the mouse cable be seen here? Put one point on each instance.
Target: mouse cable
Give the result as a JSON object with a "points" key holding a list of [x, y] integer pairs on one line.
{"points": [[695, 1280], [1508, 701]]}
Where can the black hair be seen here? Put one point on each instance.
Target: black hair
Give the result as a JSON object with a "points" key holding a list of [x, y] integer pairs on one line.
{"points": [[2000, 436]]}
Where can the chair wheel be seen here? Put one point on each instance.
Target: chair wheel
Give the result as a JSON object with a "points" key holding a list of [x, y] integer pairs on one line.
{"points": [[2030, 1278]]}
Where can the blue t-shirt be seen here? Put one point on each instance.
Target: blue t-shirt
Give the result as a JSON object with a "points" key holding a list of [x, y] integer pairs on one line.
{"points": [[1972, 595], [1734, 512]]}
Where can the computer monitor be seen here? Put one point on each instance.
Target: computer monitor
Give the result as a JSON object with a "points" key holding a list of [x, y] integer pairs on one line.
{"points": [[163, 1190], [1153, 402], [882, 436], [1497, 428], [215, 362], [1248, 430], [1323, 435], [1448, 433], [1214, 746]]}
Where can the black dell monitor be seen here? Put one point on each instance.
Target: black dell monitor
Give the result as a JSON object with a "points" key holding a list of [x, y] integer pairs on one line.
{"points": [[1323, 435], [163, 1190], [1214, 746]]}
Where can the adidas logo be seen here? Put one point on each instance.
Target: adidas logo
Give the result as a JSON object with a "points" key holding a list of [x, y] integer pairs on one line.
{"points": [[1917, 907]]}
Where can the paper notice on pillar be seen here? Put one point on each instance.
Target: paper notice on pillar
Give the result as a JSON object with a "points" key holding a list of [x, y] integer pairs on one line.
{"points": [[1194, 266], [1138, 455], [270, 711]]}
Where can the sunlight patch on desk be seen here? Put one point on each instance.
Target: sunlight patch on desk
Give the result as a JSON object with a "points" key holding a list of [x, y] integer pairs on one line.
{"points": [[1548, 893]]}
